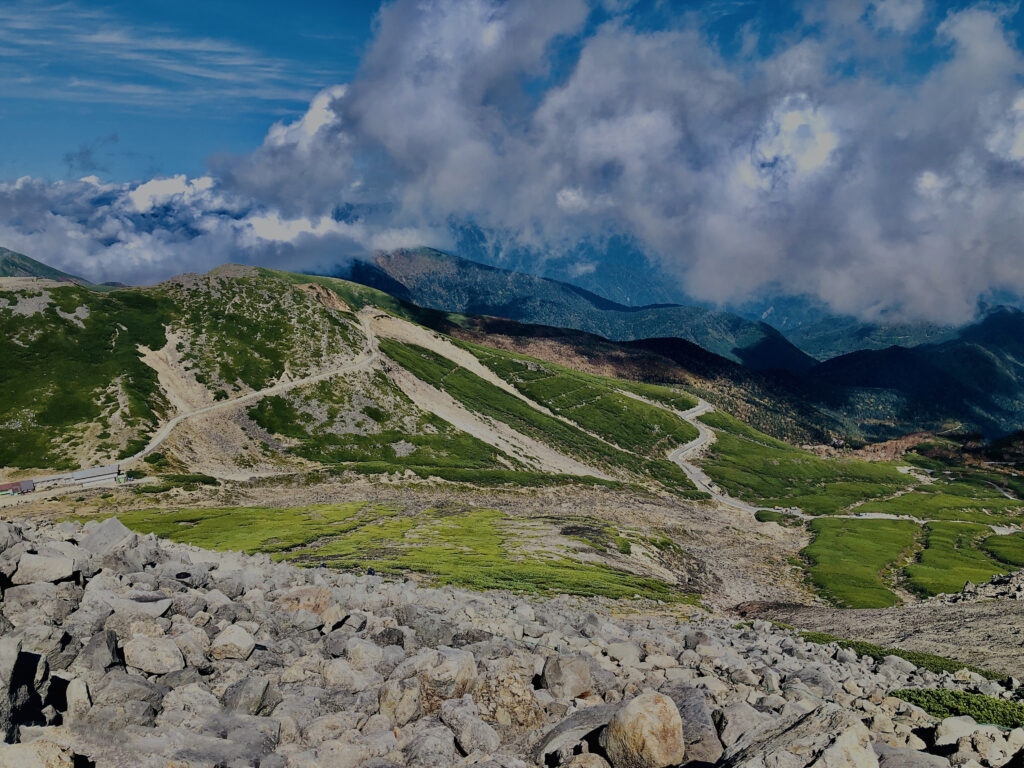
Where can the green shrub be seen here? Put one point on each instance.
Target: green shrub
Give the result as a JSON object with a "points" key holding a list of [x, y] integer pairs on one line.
{"points": [[984, 709], [192, 479]]}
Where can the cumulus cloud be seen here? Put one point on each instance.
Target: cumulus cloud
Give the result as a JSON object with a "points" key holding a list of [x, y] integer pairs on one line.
{"points": [[809, 170]]}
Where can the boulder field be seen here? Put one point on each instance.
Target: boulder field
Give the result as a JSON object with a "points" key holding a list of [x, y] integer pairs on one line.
{"points": [[127, 651]]}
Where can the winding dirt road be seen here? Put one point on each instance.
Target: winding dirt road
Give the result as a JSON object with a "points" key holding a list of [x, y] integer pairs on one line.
{"points": [[683, 455], [369, 356]]}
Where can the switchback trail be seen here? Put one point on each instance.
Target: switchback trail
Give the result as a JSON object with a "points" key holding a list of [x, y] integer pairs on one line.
{"points": [[684, 454], [364, 361]]}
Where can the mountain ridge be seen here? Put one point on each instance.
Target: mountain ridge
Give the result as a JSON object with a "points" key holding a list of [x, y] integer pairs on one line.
{"points": [[442, 281]]}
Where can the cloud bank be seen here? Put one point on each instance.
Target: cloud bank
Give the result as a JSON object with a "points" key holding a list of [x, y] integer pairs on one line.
{"points": [[871, 156]]}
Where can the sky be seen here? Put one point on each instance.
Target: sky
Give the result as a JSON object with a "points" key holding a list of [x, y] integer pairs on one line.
{"points": [[867, 155]]}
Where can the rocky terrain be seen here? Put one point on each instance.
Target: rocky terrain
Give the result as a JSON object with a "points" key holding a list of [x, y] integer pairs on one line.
{"points": [[122, 650]]}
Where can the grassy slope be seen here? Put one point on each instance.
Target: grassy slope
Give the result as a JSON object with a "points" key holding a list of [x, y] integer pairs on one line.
{"points": [[470, 548], [760, 469], [951, 558], [56, 374], [848, 556], [487, 399]]}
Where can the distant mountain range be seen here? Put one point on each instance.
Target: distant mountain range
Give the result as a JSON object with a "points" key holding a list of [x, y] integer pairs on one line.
{"points": [[879, 380], [970, 378], [974, 377], [438, 280]]}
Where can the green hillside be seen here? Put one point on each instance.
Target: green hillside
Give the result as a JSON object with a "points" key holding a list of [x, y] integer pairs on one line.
{"points": [[309, 380], [18, 265]]}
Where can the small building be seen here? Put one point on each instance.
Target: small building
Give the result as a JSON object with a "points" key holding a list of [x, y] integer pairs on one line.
{"points": [[18, 487], [96, 475]]}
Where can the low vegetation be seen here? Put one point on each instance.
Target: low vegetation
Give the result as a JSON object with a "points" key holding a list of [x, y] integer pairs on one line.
{"points": [[489, 400], [943, 703], [467, 547], [760, 469], [952, 557], [848, 557], [64, 372]]}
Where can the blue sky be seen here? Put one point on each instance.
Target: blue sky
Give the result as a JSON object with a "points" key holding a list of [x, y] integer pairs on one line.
{"points": [[867, 154], [174, 82]]}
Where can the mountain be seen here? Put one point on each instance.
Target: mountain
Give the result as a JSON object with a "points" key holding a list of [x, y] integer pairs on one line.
{"points": [[434, 279], [973, 380], [839, 335], [18, 265], [814, 328]]}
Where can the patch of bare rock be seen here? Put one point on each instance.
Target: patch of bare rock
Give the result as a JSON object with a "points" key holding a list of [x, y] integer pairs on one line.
{"points": [[127, 651]]}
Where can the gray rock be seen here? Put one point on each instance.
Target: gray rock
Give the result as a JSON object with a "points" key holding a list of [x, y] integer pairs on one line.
{"points": [[431, 629], [33, 568], [38, 754], [952, 729], [897, 757], [572, 730], [106, 537], [99, 654], [826, 737], [153, 655], [31, 604], [452, 677], [471, 733], [10, 649], [149, 605], [233, 643], [247, 695], [626, 653], [739, 722], [432, 747], [702, 742], [567, 677], [78, 700], [400, 700]]}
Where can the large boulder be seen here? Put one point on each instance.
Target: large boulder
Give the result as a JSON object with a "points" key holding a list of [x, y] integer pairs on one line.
{"points": [[567, 677], [702, 742], [903, 757], [33, 568], [10, 649], [233, 643], [646, 732], [31, 604], [37, 754], [153, 655], [106, 537], [452, 677], [471, 733], [826, 737]]}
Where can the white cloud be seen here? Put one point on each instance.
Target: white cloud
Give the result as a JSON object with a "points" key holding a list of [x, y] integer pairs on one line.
{"points": [[898, 15], [1007, 136], [930, 184], [273, 228], [733, 174], [796, 142], [160, 191], [303, 131]]}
